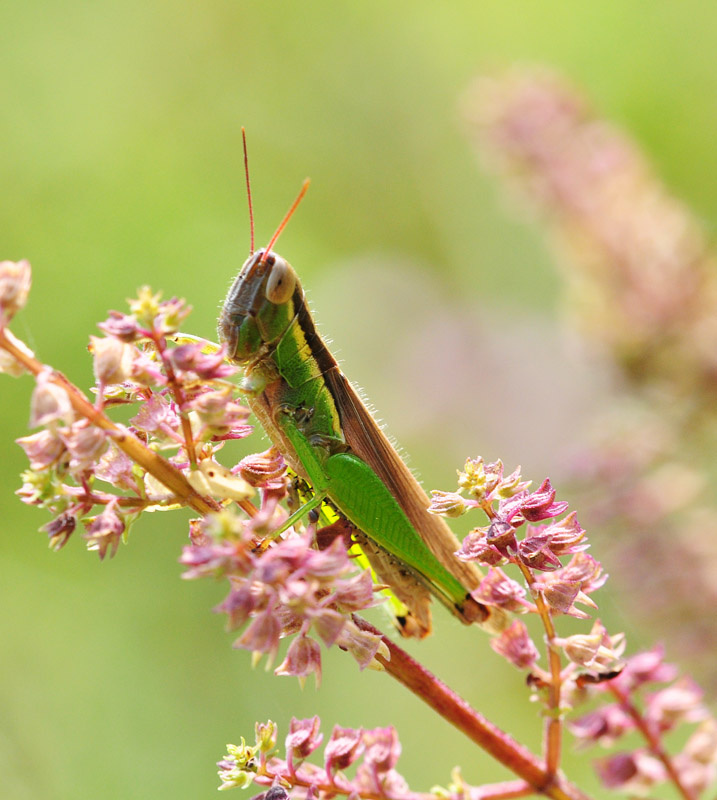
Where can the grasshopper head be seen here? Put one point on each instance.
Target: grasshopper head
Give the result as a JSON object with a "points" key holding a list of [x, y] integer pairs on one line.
{"points": [[260, 306]]}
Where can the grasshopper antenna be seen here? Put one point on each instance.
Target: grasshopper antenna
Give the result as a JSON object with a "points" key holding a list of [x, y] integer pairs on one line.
{"points": [[248, 192], [289, 214]]}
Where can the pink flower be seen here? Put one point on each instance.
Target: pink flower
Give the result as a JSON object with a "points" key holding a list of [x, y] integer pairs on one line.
{"points": [[60, 529], [382, 748], [541, 504], [603, 726], [634, 773], [302, 658], [497, 589], [112, 359], [208, 366], [43, 448], [262, 635], [49, 403], [103, 534], [342, 749], [476, 547], [303, 737], [85, 443], [121, 326], [515, 645]]}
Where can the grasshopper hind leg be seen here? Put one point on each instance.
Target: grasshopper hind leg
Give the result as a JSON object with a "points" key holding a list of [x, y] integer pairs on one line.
{"points": [[416, 621]]}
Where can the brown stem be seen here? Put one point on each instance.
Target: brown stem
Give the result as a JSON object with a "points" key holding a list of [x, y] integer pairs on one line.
{"points": [[652, 740], [553, 733], [438, 696], [178, 394], [157, 466]]}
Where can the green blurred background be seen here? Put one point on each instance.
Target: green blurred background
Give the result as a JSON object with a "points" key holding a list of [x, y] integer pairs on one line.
{"points": [[120, 165]]}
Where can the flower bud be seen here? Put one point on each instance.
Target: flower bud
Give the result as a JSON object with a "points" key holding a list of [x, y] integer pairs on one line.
{"points": [[49, 402], [447, 504], [515, 645], [113, 359], [15, 279]]}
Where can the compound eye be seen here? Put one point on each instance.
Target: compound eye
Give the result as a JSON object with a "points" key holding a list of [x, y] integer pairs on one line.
{"points": [[281, 282]]}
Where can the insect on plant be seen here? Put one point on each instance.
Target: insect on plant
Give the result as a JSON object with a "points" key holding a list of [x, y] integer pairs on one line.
{"points": [[315, 417]]}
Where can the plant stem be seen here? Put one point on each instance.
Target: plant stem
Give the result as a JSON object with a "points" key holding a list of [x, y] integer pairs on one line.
{"points": [[553, 733], [652, 740], [438, 696]]}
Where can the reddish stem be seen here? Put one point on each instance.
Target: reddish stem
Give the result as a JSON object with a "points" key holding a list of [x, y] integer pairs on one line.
{"points": [[438, 696], [652, 740]]}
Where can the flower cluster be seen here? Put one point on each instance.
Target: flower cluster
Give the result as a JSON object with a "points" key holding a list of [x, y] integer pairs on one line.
{"points": [[553, 587], [638, 705], [93, 472], [640, 269], [288, 588], [80, 467], [373, 753], [595, 665], [641, 279], [287, 581]]}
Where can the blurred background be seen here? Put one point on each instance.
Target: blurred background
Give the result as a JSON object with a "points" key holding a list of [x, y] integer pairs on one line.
{"points": [[121, 165]]}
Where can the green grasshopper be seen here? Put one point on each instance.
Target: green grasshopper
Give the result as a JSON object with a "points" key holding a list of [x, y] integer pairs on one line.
{"points": [[319, 423]]}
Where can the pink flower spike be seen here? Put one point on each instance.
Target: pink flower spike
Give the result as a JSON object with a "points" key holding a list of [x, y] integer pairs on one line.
{"points": [[515, 645]]}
